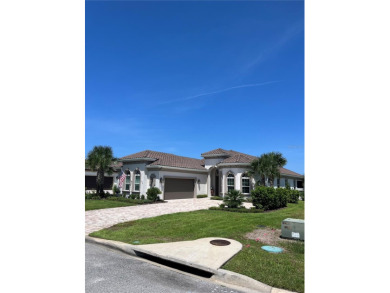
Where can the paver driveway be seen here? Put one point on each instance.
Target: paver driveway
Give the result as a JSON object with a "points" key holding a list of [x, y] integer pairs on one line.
{"points": [[96, 220]]}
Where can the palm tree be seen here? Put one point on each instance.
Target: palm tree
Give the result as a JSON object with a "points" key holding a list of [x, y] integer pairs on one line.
{"points": [[267, 166], [276, 162], [258, 169], [100, 159]]}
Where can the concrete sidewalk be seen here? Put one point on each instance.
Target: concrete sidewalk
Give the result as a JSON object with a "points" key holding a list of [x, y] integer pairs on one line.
{"points": [[200, 253]]}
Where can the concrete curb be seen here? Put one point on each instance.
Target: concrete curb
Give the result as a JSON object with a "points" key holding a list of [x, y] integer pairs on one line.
{"points": [[232, 278], [221, 276], [124, 247]]}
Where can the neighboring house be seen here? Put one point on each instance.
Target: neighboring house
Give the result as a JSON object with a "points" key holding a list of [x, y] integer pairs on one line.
{"points": [[181, 177], [109, 180]]}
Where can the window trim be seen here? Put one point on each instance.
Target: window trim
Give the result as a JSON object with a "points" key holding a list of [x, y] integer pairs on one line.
{"points": [[137, 173], [246, 177], [127, 176], [230, 175]]}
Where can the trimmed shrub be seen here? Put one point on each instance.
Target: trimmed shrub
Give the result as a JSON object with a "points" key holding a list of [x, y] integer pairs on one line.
{"points": [[222, 205], [302, 195], [152, 194], [216, 198], [269, 198], [233, 199], [115, 189], [282, 195], [142, 197], [201, 195], [92, 195], [132, 196], [293, 196]]}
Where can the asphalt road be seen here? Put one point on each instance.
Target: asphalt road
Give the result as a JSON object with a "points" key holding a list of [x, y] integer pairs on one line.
{"points": [[108, 270]]}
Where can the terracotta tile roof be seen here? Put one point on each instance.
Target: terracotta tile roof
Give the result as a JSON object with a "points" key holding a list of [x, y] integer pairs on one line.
{"points": [[218, 151], [288, 172], [165, 159], [237, 157]]}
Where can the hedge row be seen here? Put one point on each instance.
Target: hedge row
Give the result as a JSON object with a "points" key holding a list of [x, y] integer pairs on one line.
{"points": [[201, 195], [130, 200], [239, 210], [216, 198], [269, 198]]}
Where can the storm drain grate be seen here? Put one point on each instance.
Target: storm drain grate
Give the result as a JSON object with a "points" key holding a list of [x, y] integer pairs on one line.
{"points": [[220, 242]]}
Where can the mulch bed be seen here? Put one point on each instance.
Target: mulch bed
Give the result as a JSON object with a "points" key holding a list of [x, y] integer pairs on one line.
{"points": [[269, 236]]}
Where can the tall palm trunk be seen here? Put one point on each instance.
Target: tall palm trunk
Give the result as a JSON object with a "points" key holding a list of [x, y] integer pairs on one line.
{"points": [[262, 180], [271, 181], [100, 182]]}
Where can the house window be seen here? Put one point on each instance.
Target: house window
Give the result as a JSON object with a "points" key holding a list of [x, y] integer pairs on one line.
{"points": [[278, 182], [127, 182], [245, 183], [230, 182], [137, 180], [299, 184]]}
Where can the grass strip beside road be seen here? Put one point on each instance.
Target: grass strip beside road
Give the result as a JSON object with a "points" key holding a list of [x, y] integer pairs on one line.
{"points": [[285, 270]]}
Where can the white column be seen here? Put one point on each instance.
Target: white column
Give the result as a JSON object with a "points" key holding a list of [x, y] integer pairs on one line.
{"points": [[209, 184], [223, 183], [237, 183]]}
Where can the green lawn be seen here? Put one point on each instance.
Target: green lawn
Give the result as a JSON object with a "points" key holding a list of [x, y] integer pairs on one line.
{"points": [[285, 270], [91, 204]]}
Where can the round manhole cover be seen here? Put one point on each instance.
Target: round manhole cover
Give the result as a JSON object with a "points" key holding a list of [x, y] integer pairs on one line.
{"points": [[219, 242]]}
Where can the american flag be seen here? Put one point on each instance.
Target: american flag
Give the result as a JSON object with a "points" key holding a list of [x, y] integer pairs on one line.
{"points": [[121, 179]]}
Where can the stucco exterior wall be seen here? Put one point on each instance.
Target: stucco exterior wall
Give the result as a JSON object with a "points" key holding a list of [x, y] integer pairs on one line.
{"points": [[132, 167], [201, 187], [210, 162], [237, 171]]}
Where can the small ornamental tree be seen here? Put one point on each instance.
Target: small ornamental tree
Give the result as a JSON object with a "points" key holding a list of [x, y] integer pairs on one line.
{"points": [[152, 193], [100, 159], [234, 199]]}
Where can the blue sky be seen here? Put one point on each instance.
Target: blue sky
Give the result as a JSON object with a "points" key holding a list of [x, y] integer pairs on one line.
{"points": [[188, 77]]}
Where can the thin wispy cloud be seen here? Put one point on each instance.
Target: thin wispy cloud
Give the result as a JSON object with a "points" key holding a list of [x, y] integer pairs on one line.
{"points": [[219, 91], [290, 33]]}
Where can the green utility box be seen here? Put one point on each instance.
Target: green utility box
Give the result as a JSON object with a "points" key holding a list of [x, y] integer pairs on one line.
{"points": [[293, 229]]}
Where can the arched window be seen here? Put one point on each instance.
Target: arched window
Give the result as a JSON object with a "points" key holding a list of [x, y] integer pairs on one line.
{"points": [[137, 180], [152, 180], [245, 183], [127, 180], [230, 182]]}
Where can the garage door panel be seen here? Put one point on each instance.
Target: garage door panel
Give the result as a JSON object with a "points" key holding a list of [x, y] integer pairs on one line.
{"points": [[178, 188]]}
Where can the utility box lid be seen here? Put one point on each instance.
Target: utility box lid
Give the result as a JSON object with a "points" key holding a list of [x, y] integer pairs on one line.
{"points": [[294, 220]]}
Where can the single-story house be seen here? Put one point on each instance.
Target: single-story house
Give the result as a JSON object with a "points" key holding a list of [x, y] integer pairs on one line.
{"points": [[181, 177]]}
